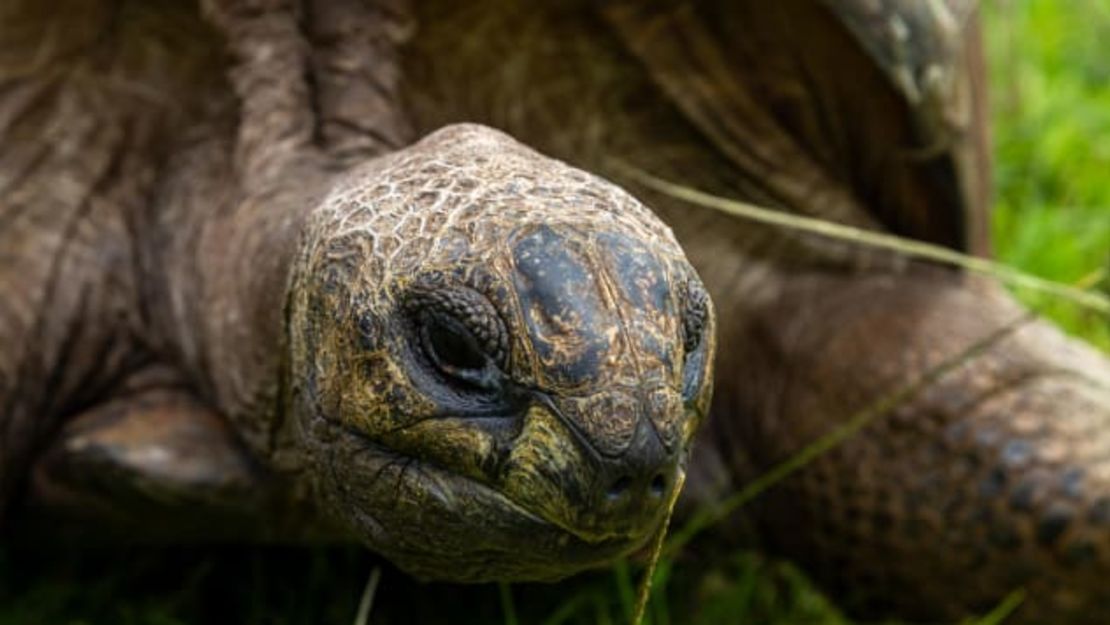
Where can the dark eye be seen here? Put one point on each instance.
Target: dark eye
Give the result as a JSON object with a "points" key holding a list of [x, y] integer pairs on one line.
{"points": [[695, 316], [459, 332], [452, 347]]}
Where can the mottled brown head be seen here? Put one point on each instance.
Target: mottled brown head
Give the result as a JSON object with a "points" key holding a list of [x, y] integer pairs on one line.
{"points": [[498, 360]]}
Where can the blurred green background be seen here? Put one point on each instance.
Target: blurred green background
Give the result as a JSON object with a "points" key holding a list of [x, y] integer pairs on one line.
{"points": [[1050, 97], [1051, 104]]}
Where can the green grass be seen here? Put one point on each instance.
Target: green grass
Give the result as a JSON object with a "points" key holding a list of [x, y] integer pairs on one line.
{"points": [[1050, 91], [1051, 112]]}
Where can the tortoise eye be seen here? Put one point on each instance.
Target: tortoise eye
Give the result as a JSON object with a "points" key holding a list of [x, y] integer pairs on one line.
{"points": [[451, 347], [459, 332], [695, 316]]}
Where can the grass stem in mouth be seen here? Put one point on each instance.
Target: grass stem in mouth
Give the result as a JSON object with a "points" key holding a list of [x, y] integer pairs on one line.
{"points": [[644, 592]]}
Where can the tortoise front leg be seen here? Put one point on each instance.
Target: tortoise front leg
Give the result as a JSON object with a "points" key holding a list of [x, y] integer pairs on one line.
{"points": [[319, 77], [158, 464], [991, 474], [356, 64], [270, 76], [315, 84]]}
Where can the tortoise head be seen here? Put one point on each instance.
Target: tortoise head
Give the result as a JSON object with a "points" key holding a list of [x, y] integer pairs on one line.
{"points": [[498, 361]]}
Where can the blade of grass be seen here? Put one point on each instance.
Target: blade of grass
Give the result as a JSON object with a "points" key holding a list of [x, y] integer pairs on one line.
{"points": [[626, 590], [708, 517], [508, 607], [656, 549], [878, 240], [660, 606], [362, 617], [1003, 610]]}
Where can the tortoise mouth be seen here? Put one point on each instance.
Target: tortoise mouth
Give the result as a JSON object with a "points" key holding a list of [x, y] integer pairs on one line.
{"points": [[439, 524]]}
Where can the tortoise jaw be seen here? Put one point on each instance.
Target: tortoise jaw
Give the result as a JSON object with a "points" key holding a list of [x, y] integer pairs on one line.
{"points": [[437, 524], [544, 468]]}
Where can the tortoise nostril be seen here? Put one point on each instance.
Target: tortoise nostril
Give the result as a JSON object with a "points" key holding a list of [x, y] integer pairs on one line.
{"points": [[619, 488], [658, 485]]}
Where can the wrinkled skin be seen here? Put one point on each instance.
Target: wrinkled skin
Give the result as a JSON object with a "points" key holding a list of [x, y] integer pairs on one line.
{"points": [[483, 363], [492, 350], [205, 234]]}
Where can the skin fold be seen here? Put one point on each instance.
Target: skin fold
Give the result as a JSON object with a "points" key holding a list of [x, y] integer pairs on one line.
{"points": [[481, 362], [359, 316]]}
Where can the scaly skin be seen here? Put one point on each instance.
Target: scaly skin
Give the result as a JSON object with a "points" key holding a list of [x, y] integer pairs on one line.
{"points": [[81, 151], [483, 363], [581, 300], [991, 477]]}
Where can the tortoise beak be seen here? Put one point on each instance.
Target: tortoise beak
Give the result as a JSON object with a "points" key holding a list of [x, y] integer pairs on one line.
{"points": [[632, 489], [598, 486]]}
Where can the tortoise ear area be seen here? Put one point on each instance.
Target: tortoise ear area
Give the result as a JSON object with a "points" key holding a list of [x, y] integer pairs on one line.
{"points": [[695, 316]]}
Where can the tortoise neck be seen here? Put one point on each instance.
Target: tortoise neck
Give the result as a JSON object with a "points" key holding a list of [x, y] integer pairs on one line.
{"points": [[225, 258]]}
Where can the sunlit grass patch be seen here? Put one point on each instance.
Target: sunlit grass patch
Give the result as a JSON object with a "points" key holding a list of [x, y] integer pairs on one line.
{"points": [[1050, 90]]}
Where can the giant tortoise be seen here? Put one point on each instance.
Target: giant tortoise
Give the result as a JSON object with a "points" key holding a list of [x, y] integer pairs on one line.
{"points": [[243, 299]]}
